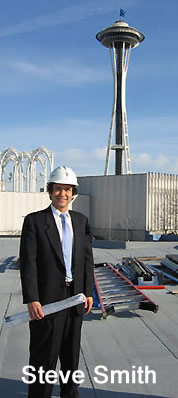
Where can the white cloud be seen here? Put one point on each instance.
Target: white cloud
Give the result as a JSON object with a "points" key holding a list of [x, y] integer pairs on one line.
{"points": [[161, 161], [24, 76], [100, 153], [63, 72], [142, 159], [154, 134], [31, 69], [144, 162], [157, 124], [82, 161], [62, 16], [59, 135]]}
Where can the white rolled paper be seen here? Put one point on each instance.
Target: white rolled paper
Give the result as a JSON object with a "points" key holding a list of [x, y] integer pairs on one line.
{"points": [[23, 317]]}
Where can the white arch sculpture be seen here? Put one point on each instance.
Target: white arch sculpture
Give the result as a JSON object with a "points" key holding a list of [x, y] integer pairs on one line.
{"points": [[26, 155], [12, 154], [36, 156]]}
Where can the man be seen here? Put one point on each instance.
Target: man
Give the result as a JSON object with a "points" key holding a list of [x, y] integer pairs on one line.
{"points": [[56, 263]]}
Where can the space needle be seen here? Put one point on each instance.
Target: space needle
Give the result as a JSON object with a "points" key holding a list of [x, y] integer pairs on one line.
{"points": [[120, 38]]}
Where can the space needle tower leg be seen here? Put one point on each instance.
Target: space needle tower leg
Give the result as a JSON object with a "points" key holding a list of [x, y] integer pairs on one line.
{"points": [[110, 139], [123, 162]]}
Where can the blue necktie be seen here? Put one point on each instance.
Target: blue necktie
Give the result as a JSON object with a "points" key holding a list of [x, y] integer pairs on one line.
{"points": [[66, 245]]}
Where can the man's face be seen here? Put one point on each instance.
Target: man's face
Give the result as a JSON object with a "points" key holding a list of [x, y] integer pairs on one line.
{"points": [[61, 196]]}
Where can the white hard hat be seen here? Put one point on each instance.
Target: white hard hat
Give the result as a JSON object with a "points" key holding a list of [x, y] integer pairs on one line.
{"points": [[63, 175]]}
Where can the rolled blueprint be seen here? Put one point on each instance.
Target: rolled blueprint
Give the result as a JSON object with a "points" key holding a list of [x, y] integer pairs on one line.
{"points": [[23, 317]]}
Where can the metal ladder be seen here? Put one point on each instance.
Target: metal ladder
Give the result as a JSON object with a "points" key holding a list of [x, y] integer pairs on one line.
{"points": [[116, 293]]}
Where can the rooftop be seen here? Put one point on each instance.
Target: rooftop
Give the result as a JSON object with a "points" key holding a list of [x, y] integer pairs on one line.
{"points": [[121, 342]]}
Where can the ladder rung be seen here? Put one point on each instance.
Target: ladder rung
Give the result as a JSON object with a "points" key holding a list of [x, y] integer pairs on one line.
{"points": [[128, 292], [123, 307], [116, 278], [115, 284], [116, 289], [126, 300]]}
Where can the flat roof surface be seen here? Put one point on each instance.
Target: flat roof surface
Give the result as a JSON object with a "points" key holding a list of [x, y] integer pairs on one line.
{"points": [[132, 341]]}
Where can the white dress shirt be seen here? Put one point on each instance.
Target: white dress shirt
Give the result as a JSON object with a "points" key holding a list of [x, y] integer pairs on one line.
{"points": [[57, 216]]}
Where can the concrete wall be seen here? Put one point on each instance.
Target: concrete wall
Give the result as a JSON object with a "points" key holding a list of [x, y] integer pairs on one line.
{"points": [[162, 203], [117, 205], [82, 204], [14, 206], [123, 207], [128, 207]]}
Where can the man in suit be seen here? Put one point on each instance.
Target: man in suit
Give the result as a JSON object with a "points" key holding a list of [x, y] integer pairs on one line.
{"points": [[52, 270]]}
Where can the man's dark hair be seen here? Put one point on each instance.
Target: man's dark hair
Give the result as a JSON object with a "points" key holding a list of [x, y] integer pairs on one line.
{"points": [[49, 188]]}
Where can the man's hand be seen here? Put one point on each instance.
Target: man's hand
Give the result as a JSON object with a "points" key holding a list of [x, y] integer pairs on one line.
{"points": [[35, 310], [88, 304]]}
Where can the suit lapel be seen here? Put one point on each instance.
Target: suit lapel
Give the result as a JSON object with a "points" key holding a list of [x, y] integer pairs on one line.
{"points": [[53, 235]]}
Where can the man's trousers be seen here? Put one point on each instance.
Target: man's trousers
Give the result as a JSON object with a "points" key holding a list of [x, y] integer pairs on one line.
{"points": [[50, 339]]}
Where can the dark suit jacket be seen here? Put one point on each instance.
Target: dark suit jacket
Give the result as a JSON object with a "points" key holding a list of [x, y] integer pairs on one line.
{"points": [[41, 259]]}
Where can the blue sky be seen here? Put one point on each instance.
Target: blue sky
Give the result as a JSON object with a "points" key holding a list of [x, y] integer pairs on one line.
{"points": [[56, 81]]}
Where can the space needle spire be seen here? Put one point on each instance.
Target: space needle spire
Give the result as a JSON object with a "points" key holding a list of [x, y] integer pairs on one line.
{"points": [[120, 38]]}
